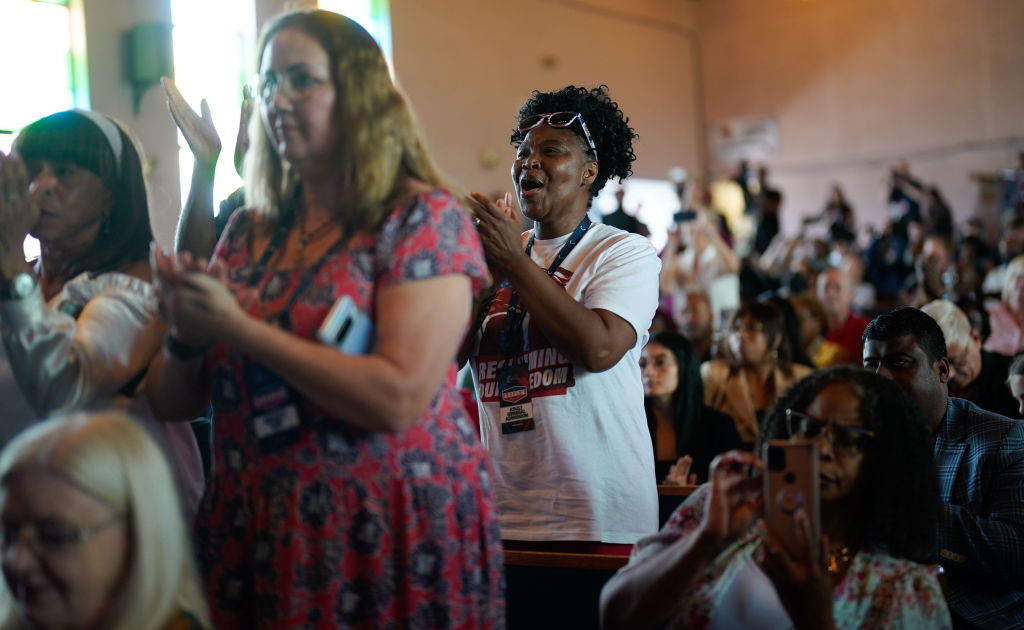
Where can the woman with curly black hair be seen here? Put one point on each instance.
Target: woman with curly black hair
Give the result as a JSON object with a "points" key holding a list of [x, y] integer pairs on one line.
{"points": [[714, 566], [555, 358]]}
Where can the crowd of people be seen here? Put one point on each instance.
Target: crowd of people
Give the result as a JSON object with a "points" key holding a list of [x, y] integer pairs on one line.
{"points": [[321, 321]]}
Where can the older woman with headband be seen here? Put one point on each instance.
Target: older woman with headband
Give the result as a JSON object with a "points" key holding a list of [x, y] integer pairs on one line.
{"points": [[555, 356], [80, 326], [92, 535]]}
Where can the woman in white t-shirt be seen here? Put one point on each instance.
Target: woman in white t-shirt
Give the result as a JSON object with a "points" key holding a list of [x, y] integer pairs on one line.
{"points": [[555, 356]]}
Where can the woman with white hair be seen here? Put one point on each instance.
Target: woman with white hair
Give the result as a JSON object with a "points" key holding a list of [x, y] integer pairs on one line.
{"points": [[1007, 315], [976, 375], [92, 532]]}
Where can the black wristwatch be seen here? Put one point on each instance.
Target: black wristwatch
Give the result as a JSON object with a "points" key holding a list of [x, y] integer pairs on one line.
{"points": [[20, 287]]}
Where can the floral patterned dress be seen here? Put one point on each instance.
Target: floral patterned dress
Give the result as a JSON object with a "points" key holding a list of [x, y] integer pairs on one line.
{"points": [[346, 528], [878, 590]]}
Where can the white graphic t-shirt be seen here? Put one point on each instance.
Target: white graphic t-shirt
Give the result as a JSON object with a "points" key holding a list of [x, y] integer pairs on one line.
{"points": [[584, 469]]}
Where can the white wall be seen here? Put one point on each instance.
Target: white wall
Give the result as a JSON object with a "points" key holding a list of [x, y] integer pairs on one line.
{"points": [[468, 65], [105, 23], [856, 84]]}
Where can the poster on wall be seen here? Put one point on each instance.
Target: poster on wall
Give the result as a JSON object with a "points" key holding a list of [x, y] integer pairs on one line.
{"points": [[747, 138]]}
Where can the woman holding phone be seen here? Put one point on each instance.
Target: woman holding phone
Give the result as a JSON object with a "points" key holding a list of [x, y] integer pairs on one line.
{"points": [[713, 565]]}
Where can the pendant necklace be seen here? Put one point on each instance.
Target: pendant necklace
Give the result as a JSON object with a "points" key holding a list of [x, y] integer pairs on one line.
{"points": [[305, 238]]}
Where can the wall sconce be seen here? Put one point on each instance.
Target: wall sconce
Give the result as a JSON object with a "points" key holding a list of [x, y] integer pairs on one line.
{"points": [[147, 56]]}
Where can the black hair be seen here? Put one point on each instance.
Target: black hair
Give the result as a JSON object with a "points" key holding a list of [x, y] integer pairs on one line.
{"points": [[608, 127], [687, 403], [70, 137], [771, 322], [908, 320], [790, 330], [899, 517]]}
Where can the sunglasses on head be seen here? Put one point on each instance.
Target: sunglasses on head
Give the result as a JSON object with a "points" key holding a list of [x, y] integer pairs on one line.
{"points": [[841, 436], [559, 119]]}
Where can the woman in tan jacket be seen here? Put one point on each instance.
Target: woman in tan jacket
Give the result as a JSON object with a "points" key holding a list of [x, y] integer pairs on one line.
{"points": [[757, 372]]}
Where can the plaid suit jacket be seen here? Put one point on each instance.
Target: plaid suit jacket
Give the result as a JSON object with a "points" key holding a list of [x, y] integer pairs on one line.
{"points": [[979, 457]]}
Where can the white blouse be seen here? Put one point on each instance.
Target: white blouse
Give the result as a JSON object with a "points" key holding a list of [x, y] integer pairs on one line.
{"points": [[57, 363]]}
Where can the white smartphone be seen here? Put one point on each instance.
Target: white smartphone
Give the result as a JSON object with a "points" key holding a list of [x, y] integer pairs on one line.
{"points": [[347, 328], [791, 482]]}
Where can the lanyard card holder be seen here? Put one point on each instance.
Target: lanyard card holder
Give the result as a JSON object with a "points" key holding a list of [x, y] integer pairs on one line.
{"points": [[275, 416], [515, 407], [347, 328]]}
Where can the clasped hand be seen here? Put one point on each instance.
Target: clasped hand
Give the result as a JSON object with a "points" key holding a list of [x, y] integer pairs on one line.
{"points": [[500, 228], [194, 298], [19, 211]]}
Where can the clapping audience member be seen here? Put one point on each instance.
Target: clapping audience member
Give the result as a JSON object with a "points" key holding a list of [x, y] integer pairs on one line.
{"points": [[1015, 382], [692, 314], [705, 260], [714, 566], [198, 227], [93, 535], [976, 375], [686, 433], [835, 291], [80, 326], [1007, 315], [758, 370], [813, 322], [348, 489], [556, 357], [979, 457]]}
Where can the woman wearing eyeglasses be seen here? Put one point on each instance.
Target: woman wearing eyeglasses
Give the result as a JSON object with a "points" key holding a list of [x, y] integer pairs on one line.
{"points": [[91, 532], [348, 490], [555, 355], [713, 565], [757, 372]]}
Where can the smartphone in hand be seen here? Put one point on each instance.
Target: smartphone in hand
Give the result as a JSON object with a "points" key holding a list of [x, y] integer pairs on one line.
{"points": [[791, 482]]}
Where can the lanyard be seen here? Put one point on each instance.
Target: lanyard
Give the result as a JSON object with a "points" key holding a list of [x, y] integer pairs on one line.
{"points": [[512, 339], [259, 271]]}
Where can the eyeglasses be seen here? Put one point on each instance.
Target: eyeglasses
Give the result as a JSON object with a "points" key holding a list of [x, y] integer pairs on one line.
{"points": [[559, 119], [846, 437], [51, 535], [295, 83]]}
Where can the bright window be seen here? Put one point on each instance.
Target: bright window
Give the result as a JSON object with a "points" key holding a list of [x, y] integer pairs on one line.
{"points": [[47, 33], [212, 60], [51, 35], [373, 15]]}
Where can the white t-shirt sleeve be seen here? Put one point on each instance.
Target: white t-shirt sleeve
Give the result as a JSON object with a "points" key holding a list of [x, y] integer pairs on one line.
{"points": [[626, 283]]}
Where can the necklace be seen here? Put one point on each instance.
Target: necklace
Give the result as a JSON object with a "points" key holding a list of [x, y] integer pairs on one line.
{"points": [[838, 558], [305, 238]]}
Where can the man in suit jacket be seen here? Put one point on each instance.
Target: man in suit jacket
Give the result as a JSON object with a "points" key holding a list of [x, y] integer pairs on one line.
{"points": [[979, 457]]}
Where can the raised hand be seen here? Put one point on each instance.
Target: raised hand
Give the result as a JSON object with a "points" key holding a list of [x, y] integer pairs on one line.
{"points": [[679, 473], [19, 211], [199, 132]]}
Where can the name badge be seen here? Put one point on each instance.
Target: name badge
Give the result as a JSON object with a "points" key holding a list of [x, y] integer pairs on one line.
{"points": [[514, 405], [276, 419]]}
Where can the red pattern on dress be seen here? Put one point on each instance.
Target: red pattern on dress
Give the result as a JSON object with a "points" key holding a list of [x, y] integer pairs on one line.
{"points": [[347, 528]]}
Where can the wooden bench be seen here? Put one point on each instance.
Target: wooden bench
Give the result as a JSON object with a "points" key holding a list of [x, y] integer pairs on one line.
{"points": [[550, 589]]}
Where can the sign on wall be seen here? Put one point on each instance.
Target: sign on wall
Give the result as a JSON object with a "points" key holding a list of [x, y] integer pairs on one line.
{"points": [[747, 138]]}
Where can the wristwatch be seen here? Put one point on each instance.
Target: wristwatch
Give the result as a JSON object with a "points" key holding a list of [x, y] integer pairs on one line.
{"points": [[19, 288]]}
